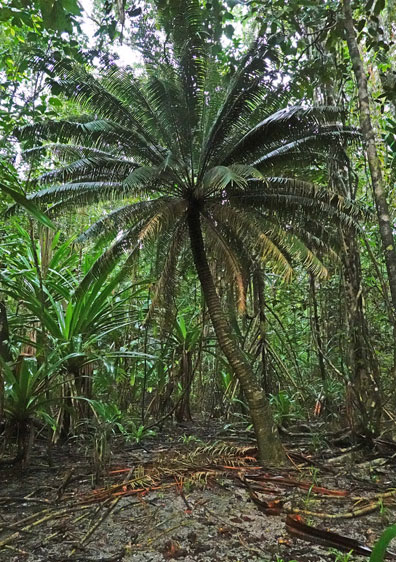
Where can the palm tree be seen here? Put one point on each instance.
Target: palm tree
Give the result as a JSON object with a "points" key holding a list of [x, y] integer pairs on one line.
{"points": [[210, 159]]}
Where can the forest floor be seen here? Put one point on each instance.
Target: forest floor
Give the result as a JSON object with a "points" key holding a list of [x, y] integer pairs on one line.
{"points": [[197, 494]]}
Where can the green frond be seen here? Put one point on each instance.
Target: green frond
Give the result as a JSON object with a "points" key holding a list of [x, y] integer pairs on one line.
{"points": [[252, 236], [68, 152], [93, 132], [166, 96], [218, 178], [305, 147], [65, 130], [284, 124], [146, 179], [92, 167], [244, 87], [277, 193], [117, 220], [165, 286], [104, 189], [92, 95]]}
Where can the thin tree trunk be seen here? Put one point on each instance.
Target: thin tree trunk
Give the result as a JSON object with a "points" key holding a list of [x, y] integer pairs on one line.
{"points": [[5, 353], [384, 219], [186, 375], [316, 329], [381, 30], [268, 442], [363, 396], [365, 392]]}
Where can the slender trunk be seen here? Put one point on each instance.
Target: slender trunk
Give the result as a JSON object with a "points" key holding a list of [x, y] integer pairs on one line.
{"points": [[186, 375], [5, 353], [381, 35], [384, 219], [143, 405], [316, 329], [365, 396], [268, 442]]}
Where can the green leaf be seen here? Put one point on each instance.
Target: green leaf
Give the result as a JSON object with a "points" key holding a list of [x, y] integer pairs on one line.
{"points": [[72, 7], [229, 31], [182, 326], [55, 16], [379, 6], [56, 102], [28, 205], [5, 14], [379, 550]]}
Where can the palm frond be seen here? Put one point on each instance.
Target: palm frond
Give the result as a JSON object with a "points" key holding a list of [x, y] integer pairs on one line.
{"points": [[284, 124], [116, 221], [217, 179], [306, 146], [165, 286], [164, 218], [133, 239], [244, 86], [252, 236], [91, 167]]}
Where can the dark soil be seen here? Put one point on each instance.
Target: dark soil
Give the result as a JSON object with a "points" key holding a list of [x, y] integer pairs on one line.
{"points": [[200, 510]]}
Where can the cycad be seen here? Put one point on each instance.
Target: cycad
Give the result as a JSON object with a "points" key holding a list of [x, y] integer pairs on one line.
{"points": [[210, 159]]}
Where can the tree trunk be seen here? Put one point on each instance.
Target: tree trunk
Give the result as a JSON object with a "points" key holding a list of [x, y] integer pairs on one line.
{"points": [[258, 281], [381, 35], [365, 409], [384, 219], [268, 442], [186, 375], [5, 353], [315, 322]]}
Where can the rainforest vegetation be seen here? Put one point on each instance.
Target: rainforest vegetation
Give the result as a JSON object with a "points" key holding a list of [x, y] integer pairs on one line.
{"points": [[197, 267]]}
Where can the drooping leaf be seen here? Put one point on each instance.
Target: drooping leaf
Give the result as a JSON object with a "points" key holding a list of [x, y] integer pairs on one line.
{"points": [[32, 209]]}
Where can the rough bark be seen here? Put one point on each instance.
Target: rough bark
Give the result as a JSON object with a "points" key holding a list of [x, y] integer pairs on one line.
{"points": [[316, 328], [186, 375], [384, 218], [268, 442], [381, 31], [4, 351], [259, 287], [365, 396]]}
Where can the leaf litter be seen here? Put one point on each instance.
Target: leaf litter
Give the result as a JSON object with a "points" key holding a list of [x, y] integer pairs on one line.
{"points": [[199, 500]]}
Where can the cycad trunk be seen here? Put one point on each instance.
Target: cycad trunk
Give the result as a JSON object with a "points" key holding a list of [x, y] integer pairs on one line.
{"points": [[269, 446], [259, 289]]}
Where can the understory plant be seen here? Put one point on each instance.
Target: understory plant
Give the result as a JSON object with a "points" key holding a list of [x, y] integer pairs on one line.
{"points": [[32, 390], [109, 422], [379, 550], [285, 407], [42, 277]]}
